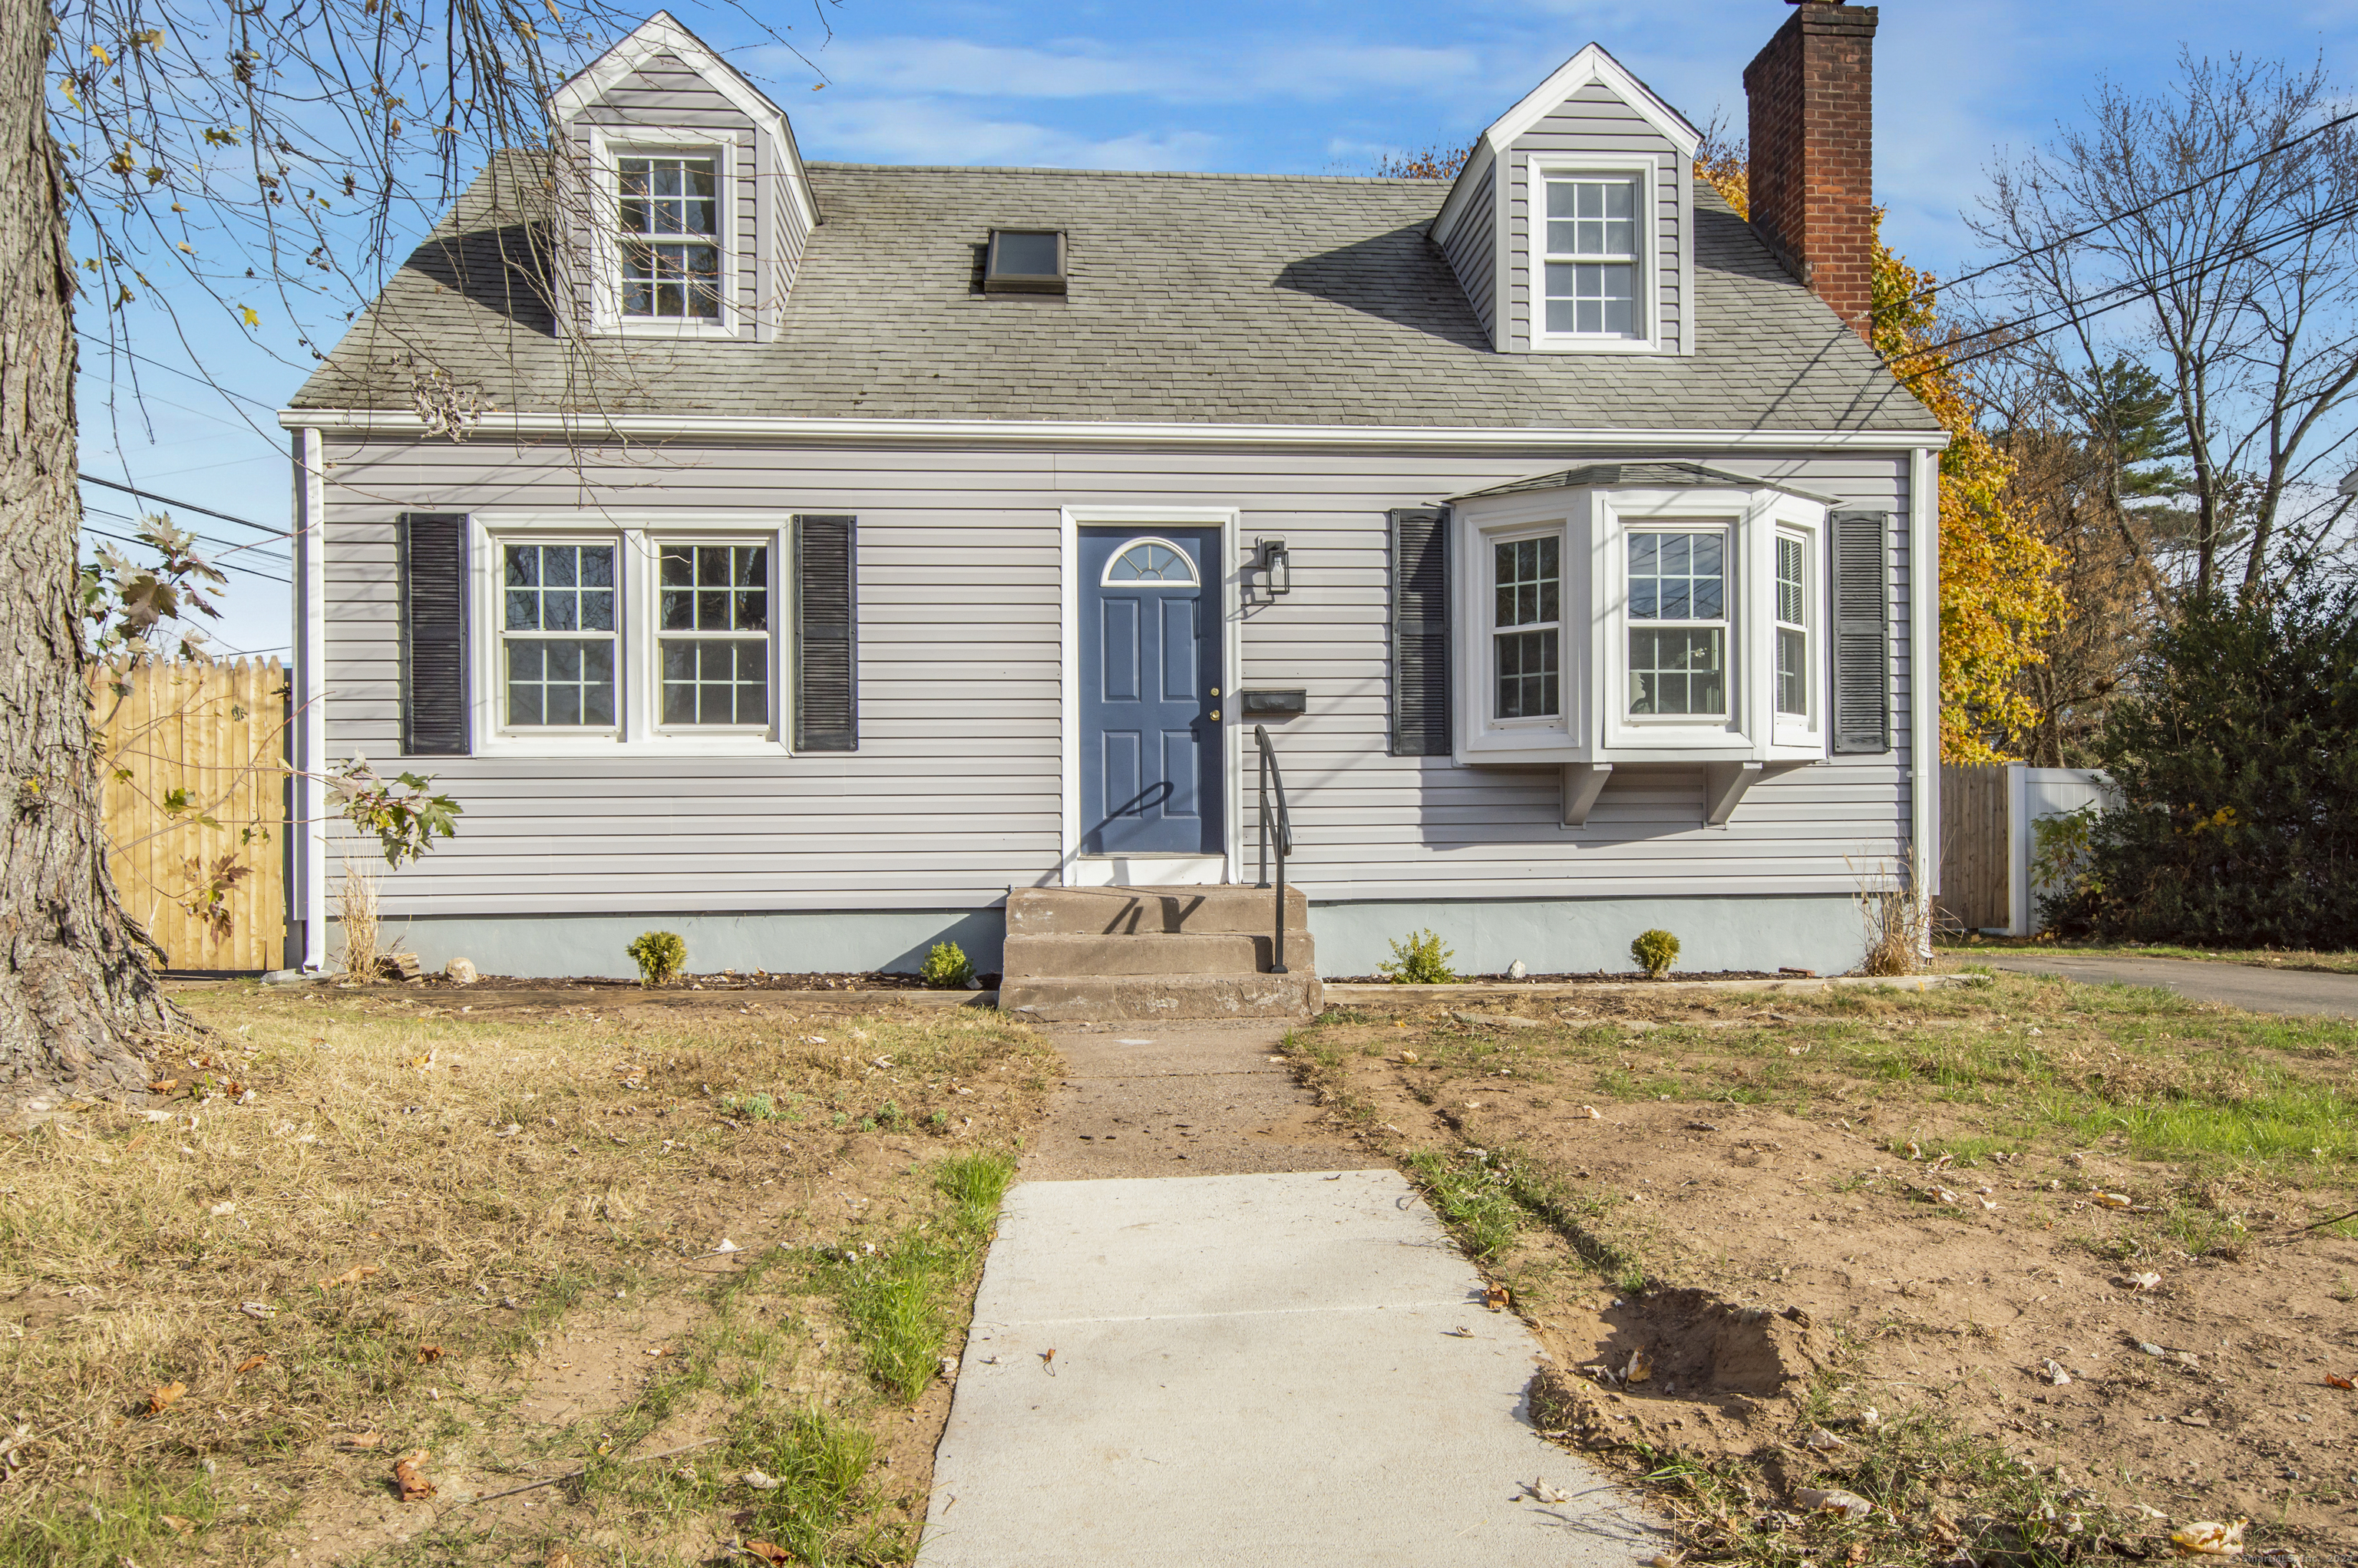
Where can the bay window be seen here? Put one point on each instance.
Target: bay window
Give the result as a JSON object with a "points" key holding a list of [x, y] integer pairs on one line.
{"points": [[1678, 624], [1527, 641], [1792, 626]]}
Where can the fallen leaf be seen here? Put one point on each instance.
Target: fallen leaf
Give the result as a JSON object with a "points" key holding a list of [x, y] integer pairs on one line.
{"points": [[2052, 1370], [250, 1363], [410, 1475], [351, 1276], [429, 1353], [163, 1086], [262, 1310], [558, 1558], [1850, 1504], [760, 1482], [1410, 1057], [365, 1440], [1640, 1367], [2143, 1281], [1823, 1441], [2333, 1381], [1496, 1298], [184, 1526], [767, 1552], [2210, 1539], [1587, 1113], [2112, 1200], [1540, 1491], [160, 1398]]}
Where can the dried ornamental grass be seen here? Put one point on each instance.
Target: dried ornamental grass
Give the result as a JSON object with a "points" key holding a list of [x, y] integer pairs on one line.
{"points": [[356, 909]]}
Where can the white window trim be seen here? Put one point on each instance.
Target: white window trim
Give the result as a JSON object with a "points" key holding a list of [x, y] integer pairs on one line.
{"points": [[607, 147], [1566, 666], [1595, 725], [636, 670], [1106, 579], [1646, 171], [1803, 731]]}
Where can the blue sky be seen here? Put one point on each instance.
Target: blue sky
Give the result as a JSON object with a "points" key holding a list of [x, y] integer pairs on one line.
{"points": [[1317, 86]]}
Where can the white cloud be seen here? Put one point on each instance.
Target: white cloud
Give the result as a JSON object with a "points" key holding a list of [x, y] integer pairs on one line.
{"points": [[925, 131]]}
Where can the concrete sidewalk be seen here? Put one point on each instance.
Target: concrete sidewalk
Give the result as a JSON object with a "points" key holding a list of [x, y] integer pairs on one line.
{"points": [[1284, 1368]]}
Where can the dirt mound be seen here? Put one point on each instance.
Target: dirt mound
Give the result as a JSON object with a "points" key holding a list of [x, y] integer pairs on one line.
{"points": [[1692, 1341]]}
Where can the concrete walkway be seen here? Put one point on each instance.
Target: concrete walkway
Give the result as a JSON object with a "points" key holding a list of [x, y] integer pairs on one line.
{"points": [[1259, 1366], [2247, 986]]}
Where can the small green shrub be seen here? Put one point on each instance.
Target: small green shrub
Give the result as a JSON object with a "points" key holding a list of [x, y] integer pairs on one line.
{"points": [[1419, 959], [660, 955], [946, 968], [752, 1108], [1655, 951]]}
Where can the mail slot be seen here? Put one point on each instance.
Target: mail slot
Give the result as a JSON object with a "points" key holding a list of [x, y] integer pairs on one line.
{"points": [[1275, 704]]}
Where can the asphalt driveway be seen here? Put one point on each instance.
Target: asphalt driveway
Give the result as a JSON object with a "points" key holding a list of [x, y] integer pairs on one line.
{"points": [[2237, 985]]}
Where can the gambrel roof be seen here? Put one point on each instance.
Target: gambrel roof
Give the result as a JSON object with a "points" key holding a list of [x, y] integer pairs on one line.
{"points": [[1194, 298]]}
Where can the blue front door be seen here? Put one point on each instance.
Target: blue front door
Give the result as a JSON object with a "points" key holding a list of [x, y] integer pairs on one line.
{"points": [[1151, 681]]}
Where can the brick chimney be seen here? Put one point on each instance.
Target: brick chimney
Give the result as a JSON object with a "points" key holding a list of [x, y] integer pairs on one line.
{"points": [[1811, 96]]}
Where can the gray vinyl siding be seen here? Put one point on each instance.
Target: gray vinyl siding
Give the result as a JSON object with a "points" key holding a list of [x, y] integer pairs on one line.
{"points": [[1595, 122], [955, 790], [1472, 248]]}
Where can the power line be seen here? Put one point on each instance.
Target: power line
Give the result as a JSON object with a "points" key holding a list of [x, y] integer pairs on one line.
{"points": [[226, 566], [174, 370], [227, 549], [138, 494], [2006, 334], [2141, 208]]}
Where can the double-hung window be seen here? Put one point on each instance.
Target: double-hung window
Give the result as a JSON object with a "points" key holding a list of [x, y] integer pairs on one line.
{"points": [[557, 635], [1678, 623], [712, 615], [652, 634], [1792, 625], [1527, 628], [1591, 259], [670, 211]]}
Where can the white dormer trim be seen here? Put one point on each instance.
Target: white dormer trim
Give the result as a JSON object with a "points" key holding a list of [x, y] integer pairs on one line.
{"points": [[659, 35], [1591, 66]]}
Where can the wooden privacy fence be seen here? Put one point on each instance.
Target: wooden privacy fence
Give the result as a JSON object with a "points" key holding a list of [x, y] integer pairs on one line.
{"points": [[1974, 847], [195, 800]]}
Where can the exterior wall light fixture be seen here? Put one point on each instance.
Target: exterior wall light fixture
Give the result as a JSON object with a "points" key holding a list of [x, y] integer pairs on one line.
{"points": [[1275, 566]]}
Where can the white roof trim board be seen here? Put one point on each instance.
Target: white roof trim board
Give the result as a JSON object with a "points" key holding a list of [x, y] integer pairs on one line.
{"points": [[392, 421], [1592, 65]]}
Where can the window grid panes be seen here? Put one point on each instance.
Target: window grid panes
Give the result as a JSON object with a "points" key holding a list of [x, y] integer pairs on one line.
{"points": [[1526, 641], [557, 632], [1792, 628], [670, 221], [707, 598], [1592, 257], [1151, 560], [1678, 633]]}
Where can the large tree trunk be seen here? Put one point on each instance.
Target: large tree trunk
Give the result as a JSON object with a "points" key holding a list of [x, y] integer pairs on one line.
{"points": [[78, 1000]]}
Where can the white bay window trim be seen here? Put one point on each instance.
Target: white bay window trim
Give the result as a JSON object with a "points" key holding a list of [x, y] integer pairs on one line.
{"points": [[1647, 338], [638, 539], [1595, 723], [607, 147]]}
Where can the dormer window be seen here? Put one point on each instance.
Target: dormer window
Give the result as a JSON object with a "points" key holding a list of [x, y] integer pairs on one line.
{"points": [[670, 211], [1025, 261], [1593, 262]]}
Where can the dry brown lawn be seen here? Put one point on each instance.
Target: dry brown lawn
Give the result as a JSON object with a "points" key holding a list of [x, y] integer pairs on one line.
{"points": [[521, 1235], [2028, 1265]]}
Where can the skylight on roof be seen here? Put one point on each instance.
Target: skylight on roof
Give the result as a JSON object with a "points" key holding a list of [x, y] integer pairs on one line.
{"points": [[1025, 261]]}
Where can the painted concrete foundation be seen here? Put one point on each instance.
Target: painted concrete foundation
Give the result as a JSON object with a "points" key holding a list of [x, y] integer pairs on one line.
{"points": [[1567, 935]]}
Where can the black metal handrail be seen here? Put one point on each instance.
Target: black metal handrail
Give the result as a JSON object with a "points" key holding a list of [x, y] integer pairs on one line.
{"points": [[1275, 824]]}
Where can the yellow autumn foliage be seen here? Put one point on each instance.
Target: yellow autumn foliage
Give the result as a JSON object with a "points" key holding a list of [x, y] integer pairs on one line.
{"points": [[1998, 598]]}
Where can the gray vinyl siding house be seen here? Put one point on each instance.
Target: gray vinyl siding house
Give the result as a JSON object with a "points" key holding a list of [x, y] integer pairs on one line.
{"points": [[1338, 364]]}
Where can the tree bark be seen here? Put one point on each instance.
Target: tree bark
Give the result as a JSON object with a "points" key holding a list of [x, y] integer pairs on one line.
{"points": [[79, 1001]]}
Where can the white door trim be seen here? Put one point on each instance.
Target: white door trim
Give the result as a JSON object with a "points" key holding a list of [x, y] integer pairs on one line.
{"points": [[1228, 520]]}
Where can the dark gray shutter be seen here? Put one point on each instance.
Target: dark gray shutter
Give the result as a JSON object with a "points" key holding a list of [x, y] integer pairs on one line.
{"points": [[826, 643], [433, 551], [1421, 631], [1862, 631]]}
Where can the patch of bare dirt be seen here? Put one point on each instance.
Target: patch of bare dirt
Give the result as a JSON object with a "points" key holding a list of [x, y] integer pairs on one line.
{"points": [[1777, 1245]]}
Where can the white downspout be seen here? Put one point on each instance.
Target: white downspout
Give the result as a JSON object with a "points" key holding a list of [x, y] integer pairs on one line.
{"points": [[1924, 670], [310, 694]]}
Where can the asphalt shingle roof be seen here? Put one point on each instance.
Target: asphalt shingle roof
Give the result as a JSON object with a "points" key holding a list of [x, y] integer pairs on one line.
{"points": [[1194, 298]]}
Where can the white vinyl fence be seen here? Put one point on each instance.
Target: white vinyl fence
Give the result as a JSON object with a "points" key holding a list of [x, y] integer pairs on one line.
{"points": [[2032, 793]]}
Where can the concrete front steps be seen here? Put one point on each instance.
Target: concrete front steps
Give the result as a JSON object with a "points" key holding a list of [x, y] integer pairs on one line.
{"points": [[1156, 952]]}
